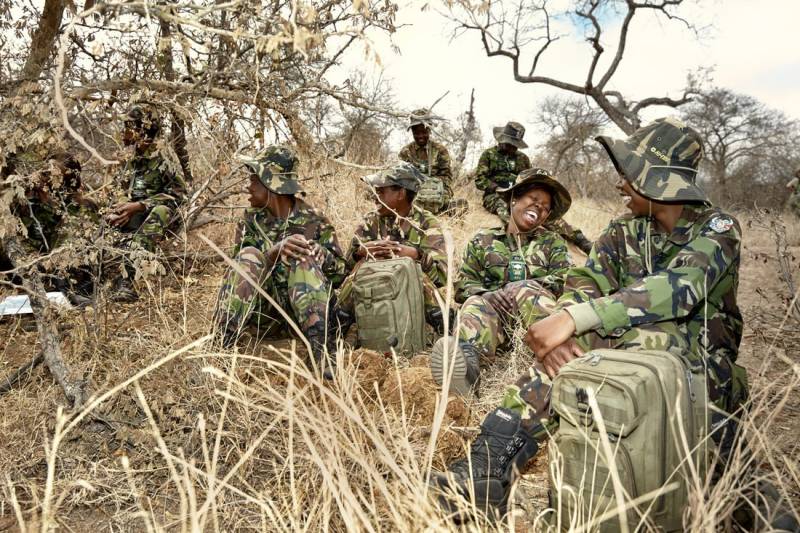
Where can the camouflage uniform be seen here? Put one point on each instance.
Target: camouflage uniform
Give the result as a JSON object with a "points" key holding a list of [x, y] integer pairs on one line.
{"points": [[488, 266], [160, 190], [433, 159], [422, 231], [497, 170], [303, 290]]}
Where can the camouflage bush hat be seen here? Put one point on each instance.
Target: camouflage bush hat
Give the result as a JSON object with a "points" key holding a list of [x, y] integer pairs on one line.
{"points": [[270, 167], [419, 117], [539, 176], [511, 133], [403, 175], [660, 160]]}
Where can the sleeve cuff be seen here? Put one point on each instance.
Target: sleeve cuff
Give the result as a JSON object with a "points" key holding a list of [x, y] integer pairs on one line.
{"points": [[585, 317]]}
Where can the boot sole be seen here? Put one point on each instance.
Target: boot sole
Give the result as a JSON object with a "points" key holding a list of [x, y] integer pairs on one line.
{"points": [[458, 381]]}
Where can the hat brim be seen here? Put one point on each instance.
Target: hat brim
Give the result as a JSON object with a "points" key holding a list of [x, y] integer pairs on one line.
{"points": [[562, 200], [501, 137], [287, 188], [638, 169], [379, 179]]}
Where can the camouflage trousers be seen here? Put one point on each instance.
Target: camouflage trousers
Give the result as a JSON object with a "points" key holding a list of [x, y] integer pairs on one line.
{"points": [[347, 303], [149, 228], [301, 290], [489, 329]]}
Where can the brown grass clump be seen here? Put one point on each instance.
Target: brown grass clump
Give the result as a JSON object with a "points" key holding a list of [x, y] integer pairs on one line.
{"points": [[183, 436]]}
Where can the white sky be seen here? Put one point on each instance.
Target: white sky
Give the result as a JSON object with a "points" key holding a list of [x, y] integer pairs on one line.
{"points": [[752, 46]]}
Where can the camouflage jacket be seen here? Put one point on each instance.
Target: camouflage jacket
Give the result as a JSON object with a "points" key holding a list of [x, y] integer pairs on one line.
{"points": [[422, 231], [152, 183], [690, 279], [432, 160], [486, 260], [262, 230], [496, 170], [80, 225]]}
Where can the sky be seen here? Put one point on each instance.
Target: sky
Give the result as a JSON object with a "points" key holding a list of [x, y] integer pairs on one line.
{"points": [[751, 46]]}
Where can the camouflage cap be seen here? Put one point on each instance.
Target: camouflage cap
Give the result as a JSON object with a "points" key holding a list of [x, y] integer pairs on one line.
{"points": [[539, 176], [403, 175], [419, 117], [512, 133], [271, 174], [660, 160]]}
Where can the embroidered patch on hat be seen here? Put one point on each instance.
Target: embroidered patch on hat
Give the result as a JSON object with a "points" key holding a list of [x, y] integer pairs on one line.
{"points": [[721, 224]]}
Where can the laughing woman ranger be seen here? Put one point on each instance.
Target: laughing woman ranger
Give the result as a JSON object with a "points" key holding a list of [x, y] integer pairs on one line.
{"points": [[506, 272]]}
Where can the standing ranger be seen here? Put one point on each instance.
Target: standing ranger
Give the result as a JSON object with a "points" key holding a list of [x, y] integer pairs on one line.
{"points": [[154, 193], [291, 251]]}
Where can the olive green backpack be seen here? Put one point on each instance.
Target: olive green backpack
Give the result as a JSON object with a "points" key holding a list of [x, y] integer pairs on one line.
{"points": [[389, 305], [431, 195], [654, 408]]}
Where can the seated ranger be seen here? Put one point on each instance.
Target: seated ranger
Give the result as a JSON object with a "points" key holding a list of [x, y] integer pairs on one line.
{"points": [[397, 228], [291, 251], [505, 270], [433, 160], [663, 278], [154, 193], [497, 169]]}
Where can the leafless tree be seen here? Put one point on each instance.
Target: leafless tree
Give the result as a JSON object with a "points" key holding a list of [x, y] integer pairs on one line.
{"points": [[746, 143], [524, 31], [569, 126]]}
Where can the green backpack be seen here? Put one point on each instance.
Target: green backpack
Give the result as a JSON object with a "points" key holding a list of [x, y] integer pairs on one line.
{"points": [[389, 305], [654, 408], [431, 195]]}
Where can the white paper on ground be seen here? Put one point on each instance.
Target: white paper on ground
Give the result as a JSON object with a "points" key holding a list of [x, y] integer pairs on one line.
{"points": [[20, 304]]}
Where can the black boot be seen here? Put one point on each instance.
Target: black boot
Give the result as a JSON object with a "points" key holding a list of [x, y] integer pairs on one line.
{"points": [[464, 360], [323, 349], [436, 320], [123, 290], [498, 454]]}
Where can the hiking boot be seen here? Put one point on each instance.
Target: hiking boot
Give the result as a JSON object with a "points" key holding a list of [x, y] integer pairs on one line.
{"points": [[496, 456], [764, 509], [465, 363], [436, 320], [124, 291], [323, 349]]}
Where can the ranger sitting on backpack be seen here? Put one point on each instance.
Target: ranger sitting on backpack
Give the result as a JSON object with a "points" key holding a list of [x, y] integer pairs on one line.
{"points": [[291, 250], [505, 270], [662, 278], [397, 228]]}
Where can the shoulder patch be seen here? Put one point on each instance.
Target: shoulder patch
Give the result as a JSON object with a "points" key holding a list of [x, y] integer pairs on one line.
{"points": [[721, 223]]}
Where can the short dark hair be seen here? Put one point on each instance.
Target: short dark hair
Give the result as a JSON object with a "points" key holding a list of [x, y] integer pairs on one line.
{"points": [[410, 195]]}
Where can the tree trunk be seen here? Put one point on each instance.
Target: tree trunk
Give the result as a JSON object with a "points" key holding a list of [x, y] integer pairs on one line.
{"points": [[469, 128], [74, 389], [43, 39]]}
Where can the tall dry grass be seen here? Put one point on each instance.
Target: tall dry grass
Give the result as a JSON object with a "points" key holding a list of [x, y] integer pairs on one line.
{"points": [[184, 436]]}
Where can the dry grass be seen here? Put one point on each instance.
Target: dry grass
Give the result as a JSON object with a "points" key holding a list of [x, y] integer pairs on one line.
{"points": [[191, 438]]}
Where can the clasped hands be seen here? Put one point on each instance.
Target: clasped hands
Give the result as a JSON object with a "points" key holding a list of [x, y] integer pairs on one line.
{"points": [[299, 248], [122, 213], [552, 339], [386, 249]]}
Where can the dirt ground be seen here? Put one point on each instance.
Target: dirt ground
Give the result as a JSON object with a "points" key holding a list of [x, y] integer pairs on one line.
{"points": [[110, 343]]}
